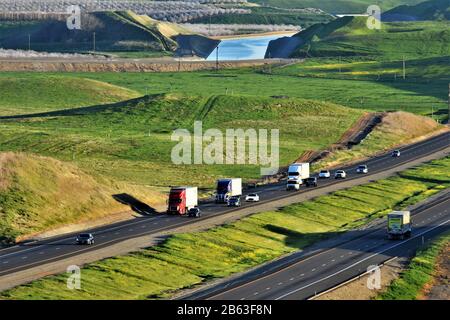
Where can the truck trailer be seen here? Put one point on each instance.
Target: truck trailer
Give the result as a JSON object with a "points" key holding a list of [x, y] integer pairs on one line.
{"points": [[297, 172], [227, 188], [399, 225], [182, 199]]}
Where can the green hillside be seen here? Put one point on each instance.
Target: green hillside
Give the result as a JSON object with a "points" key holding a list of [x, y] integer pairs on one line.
{"points": [[132, 140], [115, 31], [40, 93], [336, 6], [349, 36], [428, 10]]}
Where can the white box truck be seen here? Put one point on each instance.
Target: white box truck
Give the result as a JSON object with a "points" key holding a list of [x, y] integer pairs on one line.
{"points": [[227, 188], [182, 199], [297, 172], [399, 225]]}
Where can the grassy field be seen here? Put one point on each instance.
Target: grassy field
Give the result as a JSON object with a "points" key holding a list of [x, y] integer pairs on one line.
{"points": [[184, 260], [23, 94], [395, 129], [132, 140], [336, 6], [39, 194], [269, 16], [419, 272]]}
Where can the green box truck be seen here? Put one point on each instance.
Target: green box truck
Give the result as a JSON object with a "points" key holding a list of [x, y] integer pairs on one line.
{"points": [[399, 225]]}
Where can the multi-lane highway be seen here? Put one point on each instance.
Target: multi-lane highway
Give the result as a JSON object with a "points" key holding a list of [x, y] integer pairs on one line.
{"points": [[329, 267], [28, 255]]}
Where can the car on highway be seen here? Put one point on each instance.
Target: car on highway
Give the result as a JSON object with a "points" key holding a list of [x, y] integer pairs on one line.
{"points": [[311, 182], [395, 153], [194, 212], [340, 174], [324, 174], [85, 238], [362, 169], [252, 197], [234, 202]]}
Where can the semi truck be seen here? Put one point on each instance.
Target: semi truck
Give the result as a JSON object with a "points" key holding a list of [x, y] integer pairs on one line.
{"points": [[297, 172], [399, 225], [227, 188], [182, 199]]}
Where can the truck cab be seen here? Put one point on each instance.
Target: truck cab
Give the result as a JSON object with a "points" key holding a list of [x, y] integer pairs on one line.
{"points": [[181, 200], [297, 172]]}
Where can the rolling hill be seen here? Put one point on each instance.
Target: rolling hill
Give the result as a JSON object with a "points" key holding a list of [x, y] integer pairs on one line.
{"points": [[349, 36], [428, 10], [115, 31], [41, 93], [336, 6], [40, 193]]}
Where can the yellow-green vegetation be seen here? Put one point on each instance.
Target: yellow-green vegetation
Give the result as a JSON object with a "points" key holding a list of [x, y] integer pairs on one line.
{"points": [[131, 141], [187, 259], [395, 129], [419, 272], [39, 194], [40, 93]]}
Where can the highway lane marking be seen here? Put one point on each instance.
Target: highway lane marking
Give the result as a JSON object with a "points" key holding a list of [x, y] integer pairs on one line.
{"points": [[291, 279], [358, 262], [313, 270], [381, 157], [423, 212], [268, 288]]}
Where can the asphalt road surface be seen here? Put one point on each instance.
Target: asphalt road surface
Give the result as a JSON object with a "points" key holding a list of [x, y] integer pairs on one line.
{"points": [[28, 255], [330, 267]]}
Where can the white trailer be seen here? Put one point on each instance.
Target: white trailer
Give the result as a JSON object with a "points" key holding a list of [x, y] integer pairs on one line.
{"points": [[182, 199], [399, 224], [297, 172], [226, 188]]}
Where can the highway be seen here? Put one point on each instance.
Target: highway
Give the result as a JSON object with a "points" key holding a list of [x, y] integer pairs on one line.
{"points": [[28, 255], [332, 266]]}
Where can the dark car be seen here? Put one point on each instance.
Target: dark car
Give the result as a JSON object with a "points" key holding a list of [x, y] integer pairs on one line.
{"points": [[396, 153], [194, 212], [85, 238], [234, 202], [311, 182]]}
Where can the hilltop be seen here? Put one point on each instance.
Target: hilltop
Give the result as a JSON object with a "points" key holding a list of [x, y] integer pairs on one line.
{"points": [[428, 10], [336, 6], [349, 36], [115, 31], [41, 93]]}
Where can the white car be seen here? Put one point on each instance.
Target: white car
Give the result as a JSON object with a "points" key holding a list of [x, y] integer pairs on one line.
{"points": [[340, 174], [324, 174], [362, 169], [252, 197]]}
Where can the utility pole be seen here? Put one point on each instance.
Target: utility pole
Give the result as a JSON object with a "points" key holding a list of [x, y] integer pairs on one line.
{"points": [[93, 38], [340, 68], [29, 42], [217, 59]]}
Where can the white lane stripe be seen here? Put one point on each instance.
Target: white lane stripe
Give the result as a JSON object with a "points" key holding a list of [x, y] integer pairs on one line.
{"points": [[356, 263]]}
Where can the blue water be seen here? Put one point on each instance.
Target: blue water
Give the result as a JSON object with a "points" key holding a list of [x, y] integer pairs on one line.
{"points": [[245, 48]]}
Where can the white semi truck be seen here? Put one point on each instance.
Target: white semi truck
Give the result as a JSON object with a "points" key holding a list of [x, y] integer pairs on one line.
{"points": [[399, 225], [227, 188], [297, 172]]}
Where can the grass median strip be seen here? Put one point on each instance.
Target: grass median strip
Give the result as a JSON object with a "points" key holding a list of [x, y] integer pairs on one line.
{"points": [[188, 259], [419, 272]]}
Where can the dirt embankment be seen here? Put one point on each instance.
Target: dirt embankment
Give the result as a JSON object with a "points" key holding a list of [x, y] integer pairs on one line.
{"points": [[439, 288], [47, 65]]}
